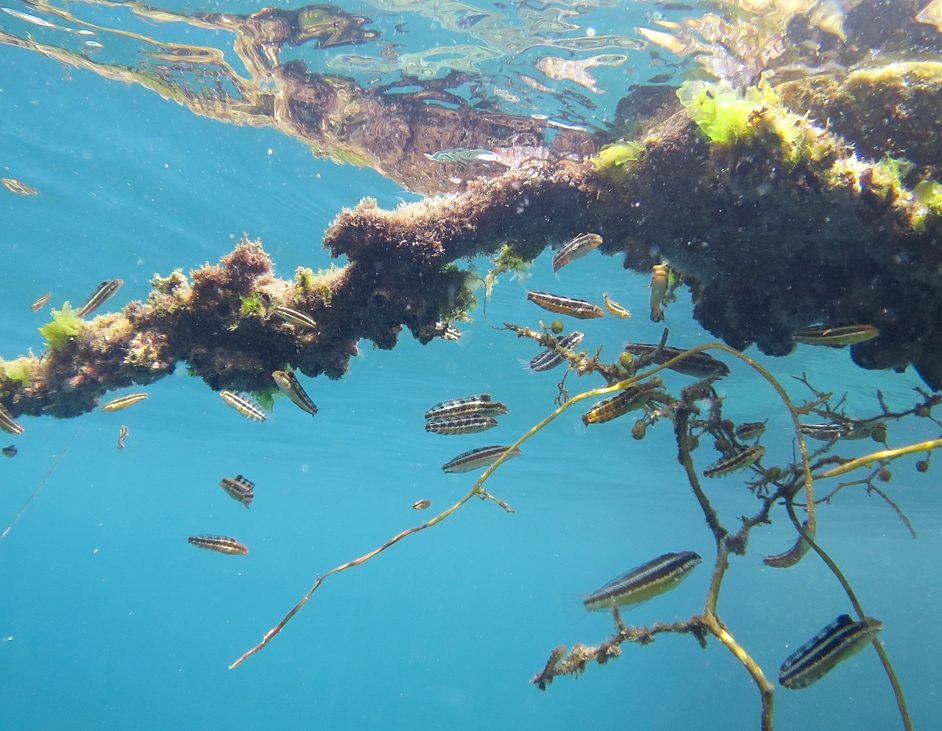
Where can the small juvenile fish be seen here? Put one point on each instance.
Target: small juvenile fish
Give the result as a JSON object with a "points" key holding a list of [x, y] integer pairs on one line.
{"points": [[463, 154], [640, 584], [289, 385], [631, 398], [450, 332], [104, 292], [659, 277], [840, 640], [10, 451], [15, 186], [750, 430], [793, 555], [243, 404], [122, 435], [614, 308], [239, 489], [481, 405], [830, 431], [579, 309], [122, 402], [735, 461], [41, 302], [660, 78], [8, 423], [461, 425], [220, 544], [698, 365], [575, 249], [421, 504], [548, 359], [295, 317], [836, 337], [477, 458]]}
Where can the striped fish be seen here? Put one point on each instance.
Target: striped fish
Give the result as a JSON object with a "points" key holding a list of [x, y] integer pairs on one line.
{"points": [[461, 425], [41, 302], [750, 430], [640, 584], [466, 406], [735, 461], [477, 458], [220, 544], [614, 308], [289, 385], [8, 423], [243, 404], [239, 489], [104, 292], [836, 337], [698, 365], [580, 309], [840, 640], [122, 402], [421, 504], [830, 431], [575, 249], [295, 317], [548, 359], [631, 398], [122, 436]]}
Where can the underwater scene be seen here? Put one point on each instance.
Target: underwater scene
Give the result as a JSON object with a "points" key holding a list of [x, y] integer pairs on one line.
{"points": [[417, 364]]}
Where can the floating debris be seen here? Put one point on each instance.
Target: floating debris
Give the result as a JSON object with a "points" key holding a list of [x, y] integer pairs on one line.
{"points": [[15, 186], [794, 554], [243, 404], [122, 436], [421, 504], [614, 308], [10, 451], [836, 337], [463, 154], [295, 317], [220, 544], [698, 365], [548, 359], [643, 583], [239, 489], [480, 404], [580, 309], [750, 430], [8, 423], [576, 249], [289, 385], [840, 640], [478, 458], [461, 425], [123, 402], [735, 461], [104, 292], [41, 302]]}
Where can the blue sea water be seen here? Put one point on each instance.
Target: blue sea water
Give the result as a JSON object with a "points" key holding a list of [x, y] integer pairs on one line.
{"points": [[109, 620]]}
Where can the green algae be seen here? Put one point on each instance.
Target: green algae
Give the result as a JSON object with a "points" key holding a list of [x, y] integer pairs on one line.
{"points": [[16, 370], [65, 325]]}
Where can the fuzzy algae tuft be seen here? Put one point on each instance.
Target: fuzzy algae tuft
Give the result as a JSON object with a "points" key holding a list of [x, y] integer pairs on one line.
{"points": [[65, 325]]}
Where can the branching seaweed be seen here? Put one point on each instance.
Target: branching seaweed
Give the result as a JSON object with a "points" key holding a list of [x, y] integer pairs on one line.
{"points": [[773, 485]]}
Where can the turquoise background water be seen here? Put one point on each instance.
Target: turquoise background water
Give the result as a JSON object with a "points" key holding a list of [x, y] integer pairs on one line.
{"points": [[110, 620]]}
